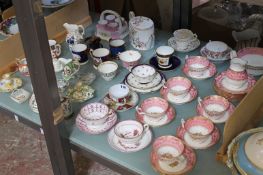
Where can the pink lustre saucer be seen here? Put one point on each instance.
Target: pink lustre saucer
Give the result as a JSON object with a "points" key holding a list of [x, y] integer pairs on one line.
{"points": [[223, 119], [174, 168], [219, 83], [192, 94], [197, 144], [96, 129], [114, 142], [210, 72], [167, 118]]}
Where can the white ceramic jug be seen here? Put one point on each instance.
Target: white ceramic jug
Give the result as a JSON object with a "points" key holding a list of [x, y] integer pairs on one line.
{"points": [[75, 34]]}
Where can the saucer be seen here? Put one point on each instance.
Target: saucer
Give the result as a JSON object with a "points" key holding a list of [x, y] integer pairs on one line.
{"points": [[121, 107], [210, 72], [221, 84], [175, 62], [191, 46], [175, 100], [115, 143], [196, 144], [96, 129], [223, 119], [174, 168], [167, 118], [9, 87]]}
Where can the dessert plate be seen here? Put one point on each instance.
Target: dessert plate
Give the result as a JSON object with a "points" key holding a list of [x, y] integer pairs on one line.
{"points": [[173, 99], [210, 72], [117, 145], [197, 144], [191, 46], [221, 84], [223, 119], [96, 129], [174, 168], [175, 62], [133, 101], [170, 115]]}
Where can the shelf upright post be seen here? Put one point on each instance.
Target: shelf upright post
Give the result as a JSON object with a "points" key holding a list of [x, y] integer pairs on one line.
{"points": [[35, 43], [186, 14], [176, 14]]}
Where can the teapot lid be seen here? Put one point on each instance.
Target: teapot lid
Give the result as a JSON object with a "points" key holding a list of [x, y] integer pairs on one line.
{"points": [[141, 22]]}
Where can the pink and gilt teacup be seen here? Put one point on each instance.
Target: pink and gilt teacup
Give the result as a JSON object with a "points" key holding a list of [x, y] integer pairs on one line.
{"points": [[95, 113], [215, 106], [197, 64], [119, 93], [168, 148], [130, 132], [198, 127], [153, 107], [178, 86]]}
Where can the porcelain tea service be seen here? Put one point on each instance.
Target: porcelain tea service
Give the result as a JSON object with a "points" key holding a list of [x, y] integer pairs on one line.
{"points": [[170, 155], [108, 70], [198, 67], [9, 83], [129, 136], [130, 58], [22, 66], [96, 118]]}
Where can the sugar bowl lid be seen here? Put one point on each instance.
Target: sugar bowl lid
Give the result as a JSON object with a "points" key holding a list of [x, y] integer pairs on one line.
{"points": [[216, 46], [254, 149]]}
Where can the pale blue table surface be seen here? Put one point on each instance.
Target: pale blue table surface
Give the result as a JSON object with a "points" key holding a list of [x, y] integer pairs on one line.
{"points": [[139, 161]]}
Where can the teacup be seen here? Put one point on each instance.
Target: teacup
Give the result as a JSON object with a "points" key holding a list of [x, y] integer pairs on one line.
{"points": [[130, 58], [215, 106], [70, 68], [197, 64], [99, 55], [22, 66], [178, 86], [153, 107], [164, 54], [198, 127], [54, 48], [130, 131], [108, 70], [183, 37], [144, 73], [80, 53], [169, 149], [95, 113], [119, 93], [116, 46]]}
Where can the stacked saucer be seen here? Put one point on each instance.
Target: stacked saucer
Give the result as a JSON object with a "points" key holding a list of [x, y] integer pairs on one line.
{"points": [[96, 118], [178, 90], [129, 136], [155, 112], [198, 132], [144, 78], [170, 155], [198, 67]]}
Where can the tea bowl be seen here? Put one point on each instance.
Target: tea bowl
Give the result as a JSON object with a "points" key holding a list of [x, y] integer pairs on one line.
{"points": [[108, 70], [178, 86]]}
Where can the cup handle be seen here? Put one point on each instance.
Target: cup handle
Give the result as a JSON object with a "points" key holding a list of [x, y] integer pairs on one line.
{"points": [[195, 35], [183, 123], [199, 100], [131, 15], [146, 127], [58, 49], [233, 54], [139, 110], [81, 29], [110, 114], [91, 52], [186, 57]]}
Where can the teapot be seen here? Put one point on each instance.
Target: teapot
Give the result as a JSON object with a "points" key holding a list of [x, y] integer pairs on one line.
{"points": [[75, 34]]}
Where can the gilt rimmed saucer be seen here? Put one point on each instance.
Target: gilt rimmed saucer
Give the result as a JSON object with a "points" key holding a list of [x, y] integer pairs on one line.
{"points": [[96, 129], [223, 119], [192, 94], [117, 145], [221, 84], [198, 144], [191, 46], [174, 168], [210, 72], [167, 118], [175, 62], [132, 102]]}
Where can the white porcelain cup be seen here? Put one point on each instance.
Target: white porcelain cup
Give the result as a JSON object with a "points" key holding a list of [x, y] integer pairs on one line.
{"points": [[108, 70], [119, 93], [130, 58], [164, 54], [183, 38], [55, 48]]}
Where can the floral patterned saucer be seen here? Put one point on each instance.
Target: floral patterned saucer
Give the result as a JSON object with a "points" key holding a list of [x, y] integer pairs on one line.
{"points": [[197, 144], [167, 118], [210, 72], [9, 26], [132, 102]]}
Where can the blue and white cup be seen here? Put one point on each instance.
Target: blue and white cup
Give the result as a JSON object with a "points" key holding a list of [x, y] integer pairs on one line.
{"points": [[116, 46], [80, 53], [99, 55]]}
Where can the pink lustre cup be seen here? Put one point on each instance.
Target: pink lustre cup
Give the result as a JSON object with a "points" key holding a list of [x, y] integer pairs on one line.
{"points": [[95, 113], [178, 86], [197, 64], [198, 127], [130, 132], [153, 107], [169, 149], [215, 106]]}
